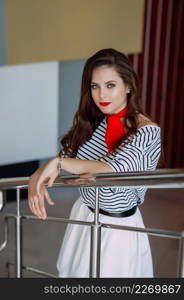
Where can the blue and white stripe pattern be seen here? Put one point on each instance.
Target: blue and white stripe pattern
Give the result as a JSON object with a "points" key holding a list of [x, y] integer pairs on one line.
{"points": [[141, 154]]}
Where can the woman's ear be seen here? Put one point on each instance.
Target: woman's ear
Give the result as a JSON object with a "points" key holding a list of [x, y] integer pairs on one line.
{"points": [[128, 90]]}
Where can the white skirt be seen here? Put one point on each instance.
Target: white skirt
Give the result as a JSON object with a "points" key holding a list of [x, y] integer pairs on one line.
{"points": [[123, 253]]}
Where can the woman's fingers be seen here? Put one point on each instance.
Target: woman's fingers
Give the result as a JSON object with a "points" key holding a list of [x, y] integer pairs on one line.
{"points": [[36, 206], [83, 178], [87, 176], [37, 192], [31, 204], [39, 187], [42, 210], [79, 180], [37, 203], [48, 198]]}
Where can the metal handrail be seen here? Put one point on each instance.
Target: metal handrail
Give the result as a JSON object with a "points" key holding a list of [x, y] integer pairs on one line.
{"points": [[161, 178]]}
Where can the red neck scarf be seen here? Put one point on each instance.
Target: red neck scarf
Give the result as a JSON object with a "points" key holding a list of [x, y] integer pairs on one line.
{"points": [[115, 129]]}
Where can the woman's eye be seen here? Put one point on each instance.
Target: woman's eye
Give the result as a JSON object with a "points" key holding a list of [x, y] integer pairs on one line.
{"points": [[93, 86], [111, 85]]}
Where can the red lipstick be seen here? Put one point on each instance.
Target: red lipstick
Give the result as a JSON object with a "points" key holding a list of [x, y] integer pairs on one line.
{"points": [[104, 103]]}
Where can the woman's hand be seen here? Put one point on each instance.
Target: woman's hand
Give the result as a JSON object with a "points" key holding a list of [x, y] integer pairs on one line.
{"points": [[83, 179], [37, 192]]}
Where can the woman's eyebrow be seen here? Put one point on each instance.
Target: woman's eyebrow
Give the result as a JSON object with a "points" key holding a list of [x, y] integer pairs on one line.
{"points": [[105, 82]]}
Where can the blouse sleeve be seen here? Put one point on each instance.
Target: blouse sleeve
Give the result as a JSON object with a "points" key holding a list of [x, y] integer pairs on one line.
{"points": [[141, 154]]}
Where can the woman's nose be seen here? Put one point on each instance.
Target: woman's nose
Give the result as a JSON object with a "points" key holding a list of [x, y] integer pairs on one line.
{"points": [[102, 93]]}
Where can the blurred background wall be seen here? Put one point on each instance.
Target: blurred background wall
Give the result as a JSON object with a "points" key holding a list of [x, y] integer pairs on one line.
{"points": [[45, 30], [39, 98]]}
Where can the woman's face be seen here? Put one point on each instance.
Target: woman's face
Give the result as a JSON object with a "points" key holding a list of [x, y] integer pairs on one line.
{"points": [[108, 90]]}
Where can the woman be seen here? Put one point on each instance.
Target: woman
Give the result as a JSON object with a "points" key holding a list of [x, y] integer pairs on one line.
{"points": [[110, 133]]}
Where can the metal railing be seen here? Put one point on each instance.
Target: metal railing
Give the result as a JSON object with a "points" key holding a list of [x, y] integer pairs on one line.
{"points": [[161, 178]]}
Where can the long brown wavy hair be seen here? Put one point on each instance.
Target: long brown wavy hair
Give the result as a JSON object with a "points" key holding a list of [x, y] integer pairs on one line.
{"points": [[88, 115]]}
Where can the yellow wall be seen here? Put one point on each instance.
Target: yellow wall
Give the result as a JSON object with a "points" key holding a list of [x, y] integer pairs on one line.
{"points": [[44, 30]]}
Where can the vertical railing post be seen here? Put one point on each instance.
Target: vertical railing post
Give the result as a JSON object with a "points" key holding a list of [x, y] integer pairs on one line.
{"points": [[181, 257], [95, 241], [18, 237]]}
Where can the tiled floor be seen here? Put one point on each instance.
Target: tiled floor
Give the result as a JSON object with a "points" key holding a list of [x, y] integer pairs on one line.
{"points": [[162, 209]]}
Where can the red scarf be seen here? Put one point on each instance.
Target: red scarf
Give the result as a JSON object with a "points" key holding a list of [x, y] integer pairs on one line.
{"points": [[115, 129]]}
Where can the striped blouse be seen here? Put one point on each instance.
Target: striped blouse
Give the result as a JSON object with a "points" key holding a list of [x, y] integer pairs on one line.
{"points": [[141, 154]]}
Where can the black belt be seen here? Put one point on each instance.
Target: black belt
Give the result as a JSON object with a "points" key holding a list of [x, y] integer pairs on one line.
{"points": [[122, 214]]}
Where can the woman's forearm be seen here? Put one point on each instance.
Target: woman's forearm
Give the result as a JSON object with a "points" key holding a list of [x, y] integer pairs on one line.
{"points": [[81, 166], [73, 165]]}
